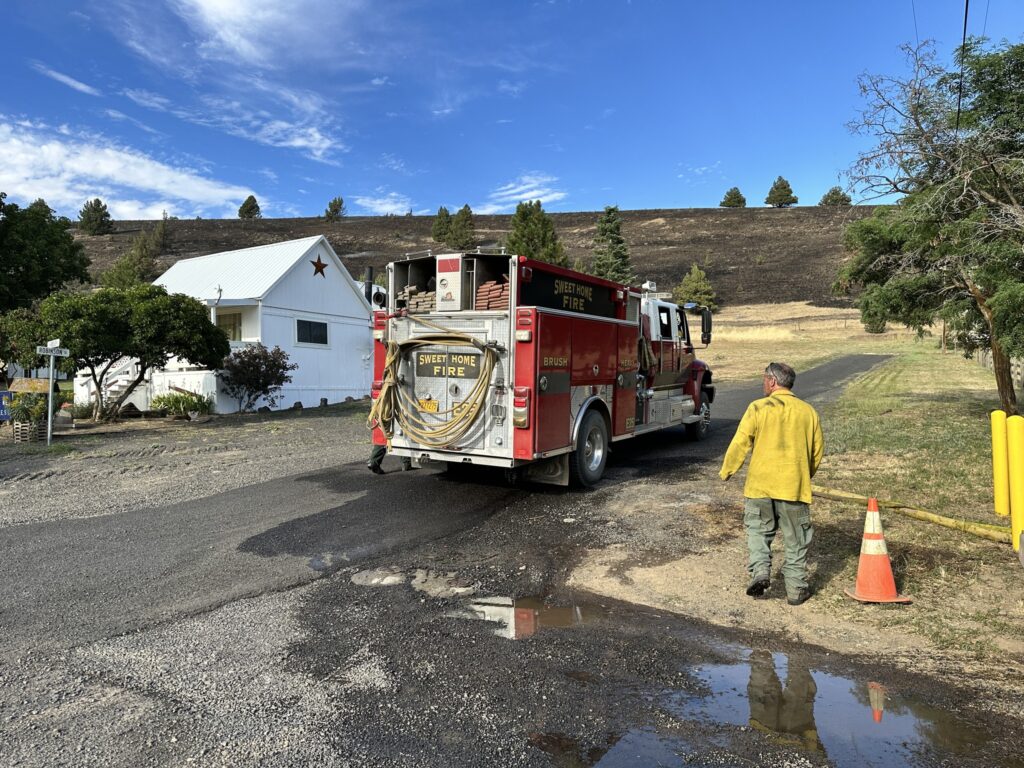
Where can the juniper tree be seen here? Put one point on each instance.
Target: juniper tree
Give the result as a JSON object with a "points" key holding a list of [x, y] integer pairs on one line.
{"points": [[250, 209], [835, 197], [781, 194], [733, 199], [695, 287], [951, 249], [533, 235], [611, 254]]}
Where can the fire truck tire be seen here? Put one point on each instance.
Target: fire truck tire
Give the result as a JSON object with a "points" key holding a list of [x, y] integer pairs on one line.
{"points": [[587, 462], [699, 429]]}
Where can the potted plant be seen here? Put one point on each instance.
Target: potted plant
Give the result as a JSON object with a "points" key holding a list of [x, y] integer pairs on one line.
{"points": [[28, 414]]}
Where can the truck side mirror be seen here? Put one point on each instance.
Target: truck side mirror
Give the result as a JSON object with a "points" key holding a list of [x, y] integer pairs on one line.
{"points": [[705, 326]]}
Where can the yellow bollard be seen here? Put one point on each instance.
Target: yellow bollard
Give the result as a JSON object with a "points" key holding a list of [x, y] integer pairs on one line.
{"points": [[1000, 468], [1015, 457]]}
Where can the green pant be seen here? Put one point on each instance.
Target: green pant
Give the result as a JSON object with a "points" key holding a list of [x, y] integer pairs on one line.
{"points": [[763, 518]]}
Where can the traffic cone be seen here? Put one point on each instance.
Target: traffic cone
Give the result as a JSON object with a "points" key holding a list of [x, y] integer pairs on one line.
{"points": [[875, 583], [876, 695]]}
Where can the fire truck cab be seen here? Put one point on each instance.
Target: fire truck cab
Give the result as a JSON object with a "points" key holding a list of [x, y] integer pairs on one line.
{"points": [[499, 360]]}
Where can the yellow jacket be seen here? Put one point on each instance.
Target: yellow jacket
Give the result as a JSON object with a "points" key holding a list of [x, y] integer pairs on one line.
{"points": [[786, 437]]}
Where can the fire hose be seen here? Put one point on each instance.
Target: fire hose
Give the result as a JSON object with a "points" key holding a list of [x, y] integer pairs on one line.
{"points": [[395, 402]]}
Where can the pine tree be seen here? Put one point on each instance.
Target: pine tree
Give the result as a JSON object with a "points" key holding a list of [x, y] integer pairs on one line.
{"points": [[533, 235], [335, 209], [733, 199], [139, 264], [781, 194], [611, 254], [835, 197], [462, 232], [250, 209], [94, 219], [442, 225], [695, 287]]}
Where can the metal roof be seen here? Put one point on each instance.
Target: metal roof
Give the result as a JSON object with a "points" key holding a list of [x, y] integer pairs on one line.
{"points": [[248, 273]]}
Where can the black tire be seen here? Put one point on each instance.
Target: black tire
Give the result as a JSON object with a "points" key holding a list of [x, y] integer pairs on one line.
{"points": [[587, 462], [699, 429]]}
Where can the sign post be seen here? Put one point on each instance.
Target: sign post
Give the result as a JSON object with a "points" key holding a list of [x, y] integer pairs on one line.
{"points": [[52, 349]]}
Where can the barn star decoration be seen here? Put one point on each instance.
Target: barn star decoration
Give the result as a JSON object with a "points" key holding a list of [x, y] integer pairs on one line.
{"points": [[319, 267]]}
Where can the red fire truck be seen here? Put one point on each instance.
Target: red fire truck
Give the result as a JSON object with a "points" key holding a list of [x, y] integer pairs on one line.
{"points": [[498, 360]]}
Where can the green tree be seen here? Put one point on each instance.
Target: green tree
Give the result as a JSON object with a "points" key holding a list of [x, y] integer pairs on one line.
{"points": [[611, 254], [38, 255], [835, 197], [94, 218], [20, 333], [139, 264], [442, 225], [335, 209], [533, 235], [781, 194], [249, 209], [733, 199], [951, 248], [695, 287], [255, 372], [462, 233], [143, 322]]}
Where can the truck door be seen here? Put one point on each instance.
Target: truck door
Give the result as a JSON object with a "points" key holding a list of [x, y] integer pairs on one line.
{"points": [[624, 410], [554, 349]]}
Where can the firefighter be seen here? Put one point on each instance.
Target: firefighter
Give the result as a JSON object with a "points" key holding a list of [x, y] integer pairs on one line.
{"points": [[377, 456], [785, 435]]}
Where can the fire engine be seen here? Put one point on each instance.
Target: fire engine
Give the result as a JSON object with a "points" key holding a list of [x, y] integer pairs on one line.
{"points": [[500, 360]]}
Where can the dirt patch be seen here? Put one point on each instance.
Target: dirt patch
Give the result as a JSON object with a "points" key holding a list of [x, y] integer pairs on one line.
{"points": [[682, 548]]}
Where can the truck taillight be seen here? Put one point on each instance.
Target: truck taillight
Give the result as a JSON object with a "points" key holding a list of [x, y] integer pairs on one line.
{"points": [[521, 407]]}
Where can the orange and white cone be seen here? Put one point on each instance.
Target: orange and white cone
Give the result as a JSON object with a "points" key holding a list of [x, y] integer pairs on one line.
{"points": [[875, 583]]}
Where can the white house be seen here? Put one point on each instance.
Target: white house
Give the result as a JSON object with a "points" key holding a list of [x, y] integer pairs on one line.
{"points": [[296, 295]]}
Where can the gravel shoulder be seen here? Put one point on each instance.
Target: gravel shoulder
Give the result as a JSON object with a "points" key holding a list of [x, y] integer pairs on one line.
{"points": [[132, 465]]}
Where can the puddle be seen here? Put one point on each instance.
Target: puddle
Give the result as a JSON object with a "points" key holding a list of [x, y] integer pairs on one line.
{"points": [[524, 617], [851, 723], [640, 747]]}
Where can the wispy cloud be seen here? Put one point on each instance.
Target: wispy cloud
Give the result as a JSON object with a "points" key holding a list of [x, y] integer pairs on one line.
{"points": [[529, 186], [698, 174], [382, 202], [269, 174], [67, 80], [148, 99], [392, 162], [379, 81], [511, 89], [66, 167], [119, 116]]}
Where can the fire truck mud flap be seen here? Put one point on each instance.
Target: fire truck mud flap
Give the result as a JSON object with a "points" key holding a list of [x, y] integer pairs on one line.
{"points": [[553, 471]]}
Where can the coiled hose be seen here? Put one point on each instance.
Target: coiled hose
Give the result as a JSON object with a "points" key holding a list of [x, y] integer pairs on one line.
{"points": [[397, 403]]}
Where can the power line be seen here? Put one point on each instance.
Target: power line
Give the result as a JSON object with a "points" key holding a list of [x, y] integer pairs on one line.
{"points": [[963, 55], [917, 37], [985, 25]]}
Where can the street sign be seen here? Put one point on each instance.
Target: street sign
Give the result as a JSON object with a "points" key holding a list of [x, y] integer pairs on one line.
{"points": [[53, 351], [53, 343], [5, 405]]}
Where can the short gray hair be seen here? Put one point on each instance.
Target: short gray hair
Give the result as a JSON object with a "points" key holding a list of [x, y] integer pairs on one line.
{"points": [[784, 375]]}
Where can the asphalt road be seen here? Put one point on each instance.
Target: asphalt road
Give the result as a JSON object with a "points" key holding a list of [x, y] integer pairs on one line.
{"points": [[229, 630]]}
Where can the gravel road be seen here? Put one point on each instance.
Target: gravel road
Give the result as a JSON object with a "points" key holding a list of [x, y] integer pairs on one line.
{"points": [[245, 593]]}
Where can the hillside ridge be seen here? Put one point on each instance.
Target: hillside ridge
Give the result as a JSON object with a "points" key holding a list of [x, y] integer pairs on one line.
{"points": [[751, 255]]}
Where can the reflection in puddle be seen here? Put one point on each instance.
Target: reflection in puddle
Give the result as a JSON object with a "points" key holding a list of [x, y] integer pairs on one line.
{"points": [[522, 618], [849, 722], [640, 747]]}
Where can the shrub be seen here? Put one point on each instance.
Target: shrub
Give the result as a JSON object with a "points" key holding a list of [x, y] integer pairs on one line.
{"points": [[183, 403], [254, 372], [28, 407], [81, 411]]}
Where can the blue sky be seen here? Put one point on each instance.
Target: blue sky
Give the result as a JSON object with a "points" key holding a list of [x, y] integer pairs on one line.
{"points": [[188, 106]]}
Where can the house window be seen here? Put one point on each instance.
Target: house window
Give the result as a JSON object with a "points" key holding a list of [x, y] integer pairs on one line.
{"points": [[311, 332], [231, 325]]}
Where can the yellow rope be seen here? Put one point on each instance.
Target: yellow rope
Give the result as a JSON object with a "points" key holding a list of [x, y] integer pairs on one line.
{"points": [[397, 402]]}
